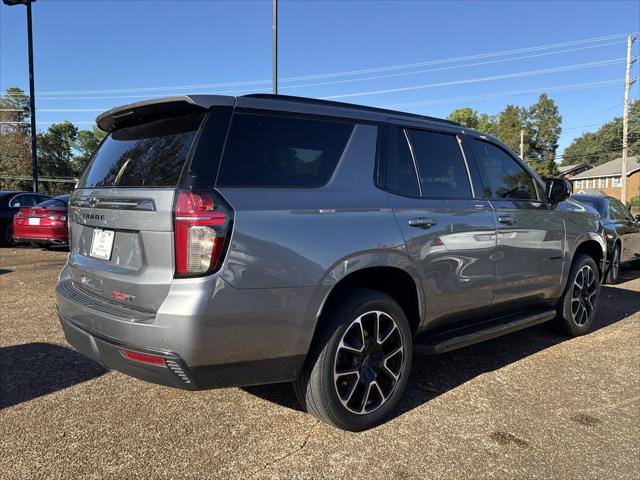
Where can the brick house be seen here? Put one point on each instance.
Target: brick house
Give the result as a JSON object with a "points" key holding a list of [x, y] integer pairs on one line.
{"points": [[570, 171], [607, 179]]}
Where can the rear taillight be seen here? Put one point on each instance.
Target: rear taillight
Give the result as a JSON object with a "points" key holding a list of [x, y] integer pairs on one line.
{"points": [[200, 230]]}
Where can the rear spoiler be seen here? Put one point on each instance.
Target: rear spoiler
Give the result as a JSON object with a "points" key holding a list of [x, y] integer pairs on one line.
{"points": [[135, 113]]}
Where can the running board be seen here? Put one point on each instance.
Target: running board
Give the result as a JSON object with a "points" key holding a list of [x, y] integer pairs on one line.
{"points": [[452, 340]]}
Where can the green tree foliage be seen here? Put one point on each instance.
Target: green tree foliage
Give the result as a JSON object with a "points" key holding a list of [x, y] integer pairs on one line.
{"points": [[55, 149], [87, 142], [545, 126], [606, 143], [510, 121], [541, 123], [63, 151], [15, 148], [488, 124], [467, 117]]}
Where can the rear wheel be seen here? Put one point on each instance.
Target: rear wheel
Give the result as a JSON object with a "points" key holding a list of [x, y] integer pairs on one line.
{"points": [[6, 236], [577, 308], [614, 266], [358, 366]]}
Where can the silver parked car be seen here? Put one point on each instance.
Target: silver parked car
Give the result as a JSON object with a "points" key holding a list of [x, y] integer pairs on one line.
{"points": [[227, 241]]}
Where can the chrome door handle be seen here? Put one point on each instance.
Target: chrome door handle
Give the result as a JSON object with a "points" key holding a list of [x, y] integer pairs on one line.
{"points": [[422, 222], [507, 219]]}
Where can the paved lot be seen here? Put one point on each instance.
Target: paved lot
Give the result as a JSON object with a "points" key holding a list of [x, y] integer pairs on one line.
{"points": [[530, 405]]}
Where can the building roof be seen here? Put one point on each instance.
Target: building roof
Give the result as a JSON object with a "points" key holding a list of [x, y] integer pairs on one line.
{"points": [[565, 169], [610, 169]]}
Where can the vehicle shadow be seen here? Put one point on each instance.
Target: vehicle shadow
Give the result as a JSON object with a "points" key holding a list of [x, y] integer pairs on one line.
{"points": [[433, 375], [31, 370], [5, 270]]}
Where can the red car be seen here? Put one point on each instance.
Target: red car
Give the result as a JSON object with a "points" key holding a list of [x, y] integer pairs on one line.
{"points": [[44, 223]]}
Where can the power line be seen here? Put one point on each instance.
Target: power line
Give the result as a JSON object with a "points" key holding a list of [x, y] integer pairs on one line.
{"points": [[488, 96], [353, 72], [527, 73]]}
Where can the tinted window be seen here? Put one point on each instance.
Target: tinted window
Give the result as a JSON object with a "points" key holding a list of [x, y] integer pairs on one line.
{"points": [[401, 172], [53, 203], [617, 211], [268, 151], [25, 200], [147, 155], [597, 205], [501, 175], [440, 164]]}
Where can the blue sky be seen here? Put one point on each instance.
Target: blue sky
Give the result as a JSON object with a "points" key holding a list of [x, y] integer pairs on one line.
{"points": [[117, 52]]}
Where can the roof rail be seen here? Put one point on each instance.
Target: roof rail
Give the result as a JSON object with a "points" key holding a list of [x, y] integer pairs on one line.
{"points": [[330, 103]]}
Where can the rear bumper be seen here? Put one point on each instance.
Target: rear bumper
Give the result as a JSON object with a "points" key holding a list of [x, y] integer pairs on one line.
{"points": [[35, 233], [231, 338]]}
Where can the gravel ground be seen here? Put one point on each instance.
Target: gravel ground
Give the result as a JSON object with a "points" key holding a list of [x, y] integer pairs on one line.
{"points": [[529, 405]]}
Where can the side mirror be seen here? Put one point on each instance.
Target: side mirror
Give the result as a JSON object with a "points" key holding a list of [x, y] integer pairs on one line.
{"points": [[558, 190]]}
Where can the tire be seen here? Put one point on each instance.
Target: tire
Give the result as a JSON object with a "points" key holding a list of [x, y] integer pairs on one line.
{"points": [[328, 387], [613, 274], [6, 236], [578, 306]]}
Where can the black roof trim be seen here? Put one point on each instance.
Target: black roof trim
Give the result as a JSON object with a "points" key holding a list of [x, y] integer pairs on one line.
{"points": [[353, 106]]}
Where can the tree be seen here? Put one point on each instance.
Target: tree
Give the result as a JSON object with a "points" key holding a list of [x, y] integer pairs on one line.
{"points": [[510, 122], [87, 142], [488, 124], [55, 149], [605, 144], [15, 149], [465, 116], [545, 124]]}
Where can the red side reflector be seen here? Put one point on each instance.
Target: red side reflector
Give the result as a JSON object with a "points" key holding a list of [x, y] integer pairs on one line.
{"points": [[141, 357]]}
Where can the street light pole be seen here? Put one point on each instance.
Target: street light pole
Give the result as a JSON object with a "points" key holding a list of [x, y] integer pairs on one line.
{"points": [[32, 93], [32, 103]]}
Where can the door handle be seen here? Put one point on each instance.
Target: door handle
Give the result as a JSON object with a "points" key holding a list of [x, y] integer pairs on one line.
{"points": [[422, 222], [507, 219]]}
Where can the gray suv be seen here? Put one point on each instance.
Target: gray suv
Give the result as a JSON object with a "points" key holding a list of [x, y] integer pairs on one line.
{"points": [[229, 241]]}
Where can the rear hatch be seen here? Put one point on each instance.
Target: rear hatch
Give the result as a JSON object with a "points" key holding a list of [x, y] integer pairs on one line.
{"points": [[121, 216]]}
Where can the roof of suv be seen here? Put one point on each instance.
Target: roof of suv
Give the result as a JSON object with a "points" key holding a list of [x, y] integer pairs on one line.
{"points": [[184, 104]]}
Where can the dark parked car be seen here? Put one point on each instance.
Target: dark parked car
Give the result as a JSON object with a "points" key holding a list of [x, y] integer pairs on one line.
{"points": [[46, 223], [226, 241], [622, 230], [10, 204]]}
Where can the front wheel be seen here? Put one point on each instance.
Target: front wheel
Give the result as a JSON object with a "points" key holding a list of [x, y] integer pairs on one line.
{"points": [[577, 308], [359, 363]]}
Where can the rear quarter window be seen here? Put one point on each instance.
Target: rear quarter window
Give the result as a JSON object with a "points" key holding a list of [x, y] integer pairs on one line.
{"points": [[148, 155], [278, 151]]}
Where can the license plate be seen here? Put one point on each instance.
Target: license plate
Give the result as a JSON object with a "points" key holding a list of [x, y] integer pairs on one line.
{"points": [[102, 244], [34, 221]]}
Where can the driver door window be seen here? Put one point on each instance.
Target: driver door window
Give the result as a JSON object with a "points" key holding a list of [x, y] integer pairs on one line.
{"points": [[501, 175]]}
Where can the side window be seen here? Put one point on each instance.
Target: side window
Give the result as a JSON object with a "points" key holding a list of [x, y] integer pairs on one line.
{"points": [[272, 151], [24, 200], [401, 171], [617, 211], [440, 164], [501, 175]]}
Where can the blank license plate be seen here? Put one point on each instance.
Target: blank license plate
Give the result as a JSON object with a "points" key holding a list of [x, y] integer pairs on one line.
{"points": [[102, 244], [34, 221]]}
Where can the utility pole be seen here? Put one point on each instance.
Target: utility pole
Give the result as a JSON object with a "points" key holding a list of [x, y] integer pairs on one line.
{"points": [[274, 31], [625, 118], [522, 143]]}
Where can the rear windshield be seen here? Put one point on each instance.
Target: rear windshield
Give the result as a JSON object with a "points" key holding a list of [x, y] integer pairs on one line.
{"points": [[271, 151], [52, 203], [147, 155]]}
